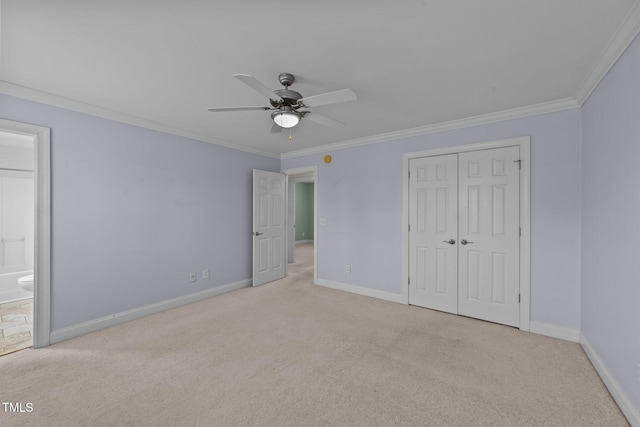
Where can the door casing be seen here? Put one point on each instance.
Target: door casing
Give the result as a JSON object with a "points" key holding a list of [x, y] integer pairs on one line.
{"points": [[524, 143]]}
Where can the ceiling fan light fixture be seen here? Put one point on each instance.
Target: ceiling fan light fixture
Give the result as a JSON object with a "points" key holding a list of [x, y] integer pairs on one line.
{"points": [[285, 119]]}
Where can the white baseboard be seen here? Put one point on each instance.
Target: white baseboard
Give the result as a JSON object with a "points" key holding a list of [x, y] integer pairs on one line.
{"points": [[552, 331], [301, 242], [126, 316], [367, 292], [632, 413]]}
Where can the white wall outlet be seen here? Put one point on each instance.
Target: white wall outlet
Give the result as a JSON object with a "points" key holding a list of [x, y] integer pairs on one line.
{"points": [[347, 268], [193, 277], [303, 234], [205, 273], [323, 221]]}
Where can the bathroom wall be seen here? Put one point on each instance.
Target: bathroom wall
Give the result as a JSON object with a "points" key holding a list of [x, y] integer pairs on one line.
{"points": [[16, 203], [16, 151], [135, 211]]}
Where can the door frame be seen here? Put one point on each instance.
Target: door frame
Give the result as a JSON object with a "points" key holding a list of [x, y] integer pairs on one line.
{"points": [[42, 227], [291, 176], [524, 142]]}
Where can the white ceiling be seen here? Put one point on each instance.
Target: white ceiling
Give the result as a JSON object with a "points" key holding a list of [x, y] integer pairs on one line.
{"points": [[413, 64]]}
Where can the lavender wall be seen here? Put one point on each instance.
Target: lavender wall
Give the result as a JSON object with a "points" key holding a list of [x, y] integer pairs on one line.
{"points": [[360, 196], [610, 230], [134, 211]]}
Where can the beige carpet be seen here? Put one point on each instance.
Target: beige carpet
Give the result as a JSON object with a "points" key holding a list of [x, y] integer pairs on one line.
{"points": [[292, 354]]}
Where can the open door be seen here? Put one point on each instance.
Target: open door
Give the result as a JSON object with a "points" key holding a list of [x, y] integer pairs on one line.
{"points": [[268, 226]]}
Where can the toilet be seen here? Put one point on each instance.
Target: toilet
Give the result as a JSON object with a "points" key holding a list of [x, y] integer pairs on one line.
{"points": [[26, 282]]}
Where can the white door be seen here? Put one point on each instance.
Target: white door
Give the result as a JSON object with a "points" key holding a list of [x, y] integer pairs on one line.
{"points": [[268, 226], [472, 200], [433, 234], [489, 231]]}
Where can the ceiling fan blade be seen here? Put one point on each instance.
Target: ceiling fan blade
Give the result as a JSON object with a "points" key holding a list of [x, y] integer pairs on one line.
{"points": [[343, 95], [324, 120], [215, 110], [275, 128], [253, 83]]}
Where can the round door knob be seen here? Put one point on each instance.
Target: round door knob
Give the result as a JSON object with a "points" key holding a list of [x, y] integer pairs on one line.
{"points": [[450, 241]]}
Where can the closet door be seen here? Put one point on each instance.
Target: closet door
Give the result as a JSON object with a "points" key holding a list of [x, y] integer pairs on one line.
{"points": [[433, 234], [488, 253]]}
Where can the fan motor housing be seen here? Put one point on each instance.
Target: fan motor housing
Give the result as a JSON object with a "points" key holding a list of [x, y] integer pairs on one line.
{"points": [[290, 96]]}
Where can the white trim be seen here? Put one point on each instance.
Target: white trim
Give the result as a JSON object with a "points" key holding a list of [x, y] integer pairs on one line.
{"points": [[515, 113], [553, 331], [126, 316], [524, 142], [619, 42], [313, 171], [23, 92], [360, 290], [42, 173], [81, 107], [626, 405]]}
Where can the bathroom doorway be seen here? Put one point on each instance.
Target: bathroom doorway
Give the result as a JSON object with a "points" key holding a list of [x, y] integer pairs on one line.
{"points": [[17, 239], [24, 236]]}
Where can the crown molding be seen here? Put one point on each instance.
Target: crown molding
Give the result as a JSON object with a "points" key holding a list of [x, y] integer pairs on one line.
{"points": [[515, 113], [70, 104], [81, 107], [621, 39]]}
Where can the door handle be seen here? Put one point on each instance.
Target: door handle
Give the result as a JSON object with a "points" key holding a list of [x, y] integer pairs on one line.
{"points": [[465, 242], [257, 233], [450, 241]]}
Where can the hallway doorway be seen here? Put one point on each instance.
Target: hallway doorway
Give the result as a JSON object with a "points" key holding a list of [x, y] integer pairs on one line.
{"points": [[302, 208]]}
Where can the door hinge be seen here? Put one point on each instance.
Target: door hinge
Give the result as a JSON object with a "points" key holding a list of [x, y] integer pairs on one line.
{"points": [[409, 174], [518, 298], [519, 162], [520, 231], [409, 228], [409, 280]]}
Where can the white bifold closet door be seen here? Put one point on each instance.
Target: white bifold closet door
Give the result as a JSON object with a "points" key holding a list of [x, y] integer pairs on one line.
{"points": [[464, 235], [433, 234]]}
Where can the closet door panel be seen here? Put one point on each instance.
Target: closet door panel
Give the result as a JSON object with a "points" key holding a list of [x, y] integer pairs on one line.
{"points": [[489, 231]]}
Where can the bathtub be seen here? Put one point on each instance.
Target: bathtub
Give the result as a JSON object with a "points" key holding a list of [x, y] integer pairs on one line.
{"points": [[9, 289]]}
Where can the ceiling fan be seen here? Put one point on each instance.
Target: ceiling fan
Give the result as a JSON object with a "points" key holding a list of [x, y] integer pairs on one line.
{"points": [[289, 106]]}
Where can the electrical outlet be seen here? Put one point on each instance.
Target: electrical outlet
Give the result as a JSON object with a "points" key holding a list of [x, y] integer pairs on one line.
{"points": [[205, 273], [303, 234], [347, 268], [193, 277]]}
